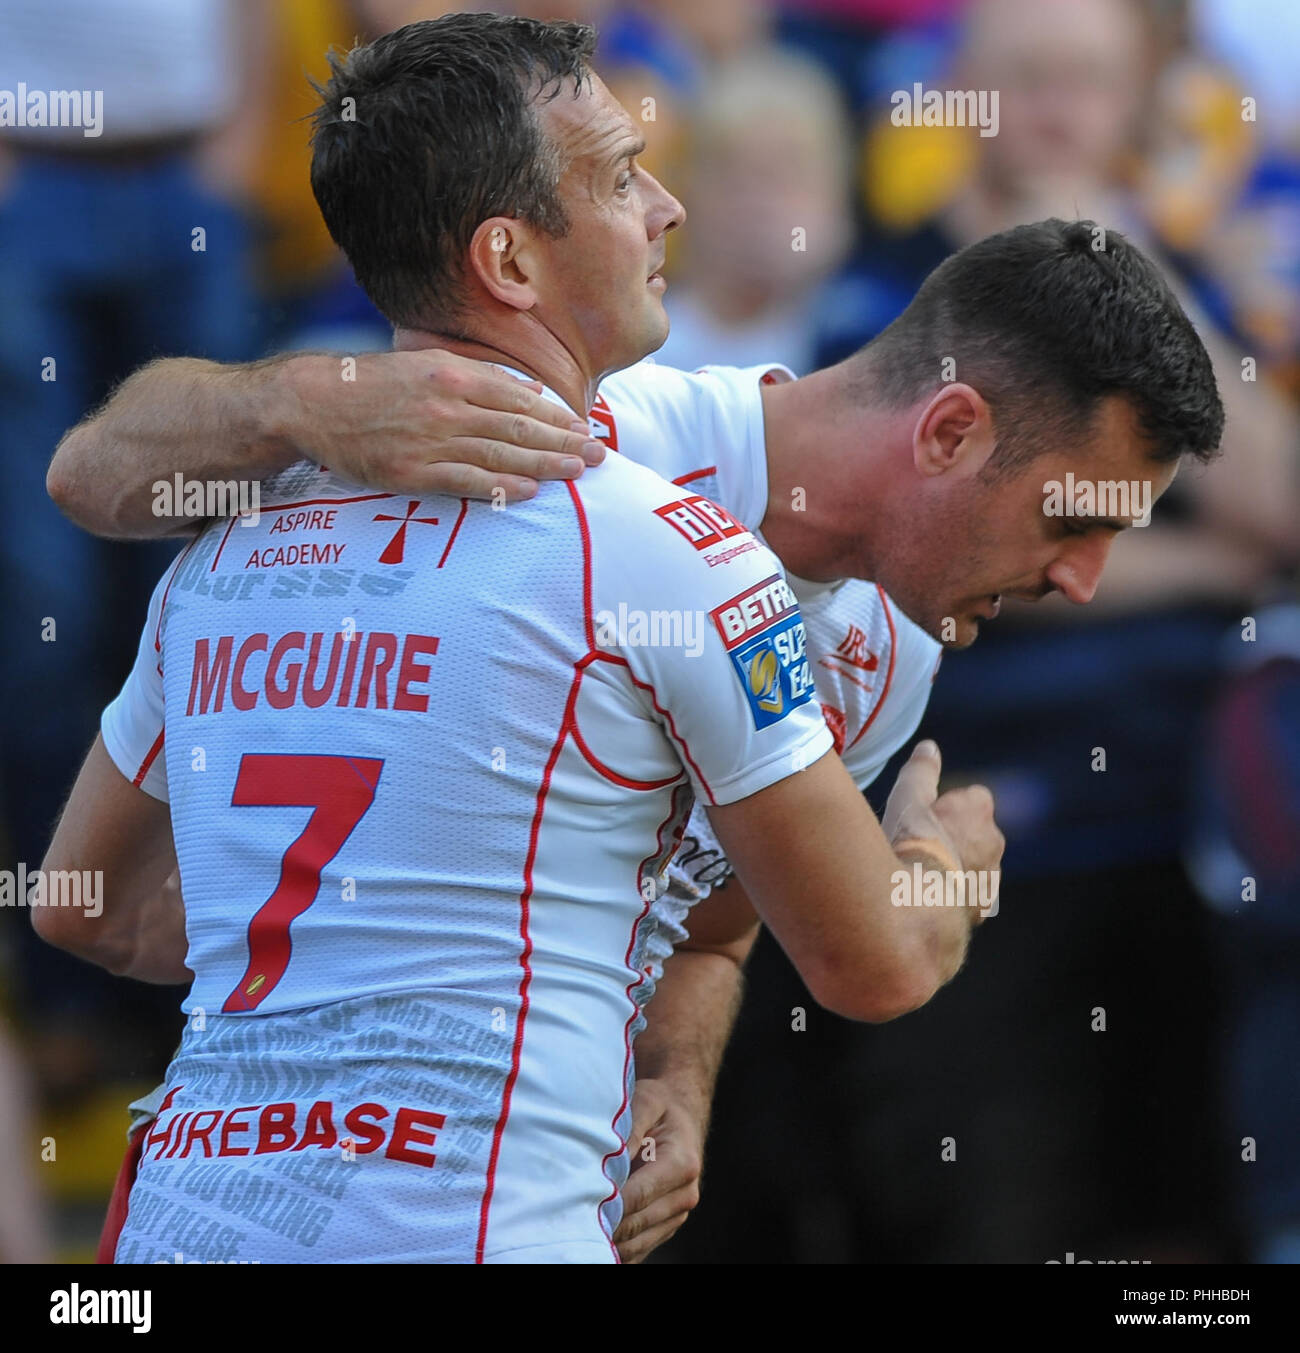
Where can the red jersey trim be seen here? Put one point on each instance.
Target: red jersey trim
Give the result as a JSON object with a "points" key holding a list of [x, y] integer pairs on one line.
{"points": [[612, 775], [601, 413], [216, 558], [587, 617], [150, 759], [566, 727], [119, 1203], [889, 674], [672, 728], [162, 607], [330, 502]]}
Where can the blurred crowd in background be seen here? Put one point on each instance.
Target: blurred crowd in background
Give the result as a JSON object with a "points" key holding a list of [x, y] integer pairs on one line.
{"points": [[1163, 891]]}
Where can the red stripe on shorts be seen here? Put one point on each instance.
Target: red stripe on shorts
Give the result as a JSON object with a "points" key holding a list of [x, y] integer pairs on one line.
{"points": [[117, 1204]]}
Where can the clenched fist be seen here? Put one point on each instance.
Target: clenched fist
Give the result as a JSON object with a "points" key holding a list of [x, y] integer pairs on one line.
{"points": [[960, 821]]}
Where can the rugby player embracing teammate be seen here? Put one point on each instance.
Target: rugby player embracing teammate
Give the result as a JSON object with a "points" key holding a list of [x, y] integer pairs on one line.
{"points": [[884, 467], [421, 805]]}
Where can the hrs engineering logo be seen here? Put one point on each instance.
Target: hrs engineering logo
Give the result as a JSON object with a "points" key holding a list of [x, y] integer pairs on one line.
{"points": [[763, 633]]}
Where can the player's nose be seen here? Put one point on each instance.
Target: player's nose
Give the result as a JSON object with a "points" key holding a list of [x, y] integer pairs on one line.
{"points": [[665, 212], [1077, 570]]}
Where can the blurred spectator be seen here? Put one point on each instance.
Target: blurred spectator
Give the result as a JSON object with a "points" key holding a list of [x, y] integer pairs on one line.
{"points": [[114, 248], [767, 183], [1246, 860], [122, 238], [660, 59], [1252, 241], [310, 298], [24, 1222], [1259, 39]]}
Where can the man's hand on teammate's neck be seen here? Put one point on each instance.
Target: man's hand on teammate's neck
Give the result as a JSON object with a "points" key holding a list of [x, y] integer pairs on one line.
{"points": [[407, 422]]}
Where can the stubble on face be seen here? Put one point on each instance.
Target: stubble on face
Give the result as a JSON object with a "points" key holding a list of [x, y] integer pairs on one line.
{"points": [[929, 565]]}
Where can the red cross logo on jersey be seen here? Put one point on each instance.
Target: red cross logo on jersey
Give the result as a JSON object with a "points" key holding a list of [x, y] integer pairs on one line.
{"points": [[854, 651], [395, 550]]}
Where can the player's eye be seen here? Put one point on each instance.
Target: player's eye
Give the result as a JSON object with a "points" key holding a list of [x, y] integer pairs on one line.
{"points": [[625, 180]]}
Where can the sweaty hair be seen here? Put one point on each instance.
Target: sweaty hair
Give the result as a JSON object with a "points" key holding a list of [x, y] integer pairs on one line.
{"points": [[429, 131], [1045, 321]]}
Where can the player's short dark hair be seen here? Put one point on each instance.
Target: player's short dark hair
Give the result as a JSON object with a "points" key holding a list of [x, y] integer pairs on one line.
{"points": [[427, 132], [1046, 320]]}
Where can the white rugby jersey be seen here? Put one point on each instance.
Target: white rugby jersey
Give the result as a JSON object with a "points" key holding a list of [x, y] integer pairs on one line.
{"points": [[873, 667], [426, 763]]}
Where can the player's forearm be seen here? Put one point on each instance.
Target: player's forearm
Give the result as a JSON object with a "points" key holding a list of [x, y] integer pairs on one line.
{"points": [[202, 420], [938, 935], [688, 1024], [125, 913], [893, 950], [156, 948], [138, 937]]}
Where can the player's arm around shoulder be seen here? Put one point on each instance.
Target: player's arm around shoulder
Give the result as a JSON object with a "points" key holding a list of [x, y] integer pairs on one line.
{"points": [[410, 422]]}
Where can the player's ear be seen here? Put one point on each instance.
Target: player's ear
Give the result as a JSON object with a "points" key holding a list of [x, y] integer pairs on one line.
{"points": [[953, 432], [500, 257]]}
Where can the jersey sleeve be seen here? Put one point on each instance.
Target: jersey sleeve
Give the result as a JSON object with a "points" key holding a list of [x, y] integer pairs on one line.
{"points": [[132, 725], [700, 864], [721, 660], [703, 427]]}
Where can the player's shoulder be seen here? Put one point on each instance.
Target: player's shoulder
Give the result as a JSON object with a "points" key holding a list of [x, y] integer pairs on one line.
{"points": [[643, 381], [649, 381], [625, 496], [856, 600], [655, 537]]}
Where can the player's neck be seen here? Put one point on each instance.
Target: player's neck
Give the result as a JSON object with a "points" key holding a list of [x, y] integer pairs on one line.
{"points": [[822, 497], [541, 357]]}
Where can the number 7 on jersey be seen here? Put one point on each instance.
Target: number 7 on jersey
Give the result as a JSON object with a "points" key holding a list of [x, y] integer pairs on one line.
{"points": [[340, 789]]}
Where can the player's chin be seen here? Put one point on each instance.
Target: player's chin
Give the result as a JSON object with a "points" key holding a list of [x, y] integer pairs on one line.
{"points": [[656, 325], [959, 629], [657, 311]]}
